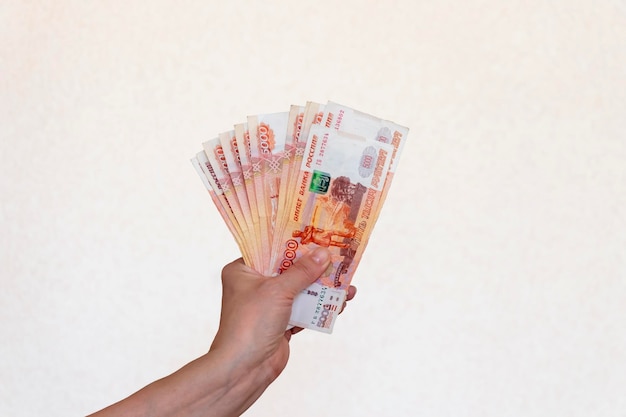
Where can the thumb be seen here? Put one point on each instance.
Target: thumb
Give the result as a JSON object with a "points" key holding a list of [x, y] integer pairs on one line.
{"points": [[305, 271]]}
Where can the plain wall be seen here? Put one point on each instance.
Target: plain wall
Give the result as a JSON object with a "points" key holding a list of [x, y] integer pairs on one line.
{"points": [[495, 280]]}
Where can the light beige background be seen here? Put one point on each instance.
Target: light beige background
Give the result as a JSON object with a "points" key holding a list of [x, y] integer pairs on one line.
{"points": [[494, 284]]}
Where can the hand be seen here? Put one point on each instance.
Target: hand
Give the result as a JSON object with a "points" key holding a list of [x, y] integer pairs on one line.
{"points": [[256, 310]]}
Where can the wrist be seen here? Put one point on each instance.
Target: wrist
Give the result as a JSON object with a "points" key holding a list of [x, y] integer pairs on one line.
{"points": [[232, 381], [245, 359]]}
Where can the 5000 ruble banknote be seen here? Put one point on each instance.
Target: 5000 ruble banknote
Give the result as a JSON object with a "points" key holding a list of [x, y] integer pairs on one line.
{"points": [[340, 177]]}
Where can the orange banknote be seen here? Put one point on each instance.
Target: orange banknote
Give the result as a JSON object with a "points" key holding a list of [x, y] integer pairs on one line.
{"points": [[338, 180], [216, 155], [346, 119], [297, 134], [267, 145], [229, 152], [242, 141], [207, 174], [294, 127]]}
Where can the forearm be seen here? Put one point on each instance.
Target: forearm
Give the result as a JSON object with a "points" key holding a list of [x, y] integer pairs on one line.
{"points": [[250, 349], [216, 384]]}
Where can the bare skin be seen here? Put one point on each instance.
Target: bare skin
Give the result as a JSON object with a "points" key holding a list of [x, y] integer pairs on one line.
{"points": [[250, 349]]}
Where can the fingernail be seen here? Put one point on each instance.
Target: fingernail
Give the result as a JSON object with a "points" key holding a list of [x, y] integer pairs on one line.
{"points": [[320, 255]]}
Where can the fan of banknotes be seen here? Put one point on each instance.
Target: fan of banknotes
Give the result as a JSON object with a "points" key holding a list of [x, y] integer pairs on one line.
{"points": [[287, 183]]}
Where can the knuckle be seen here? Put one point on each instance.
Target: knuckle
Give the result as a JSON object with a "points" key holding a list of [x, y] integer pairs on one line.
{"points": [[306, 267]]}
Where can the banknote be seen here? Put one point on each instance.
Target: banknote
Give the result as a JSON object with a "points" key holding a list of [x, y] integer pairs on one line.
{"points": [[215, 154], [204, 169], [268, 134], [312, 115], [294, 127], [346, 119], [242, 140], [229, 153], [338, 179]]}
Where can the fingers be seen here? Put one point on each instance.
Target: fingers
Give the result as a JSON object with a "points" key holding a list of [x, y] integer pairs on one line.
{"points": [[305, 271], [233, 266], [351, 293], [236, 268], [349, 296], [296, 330]]}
